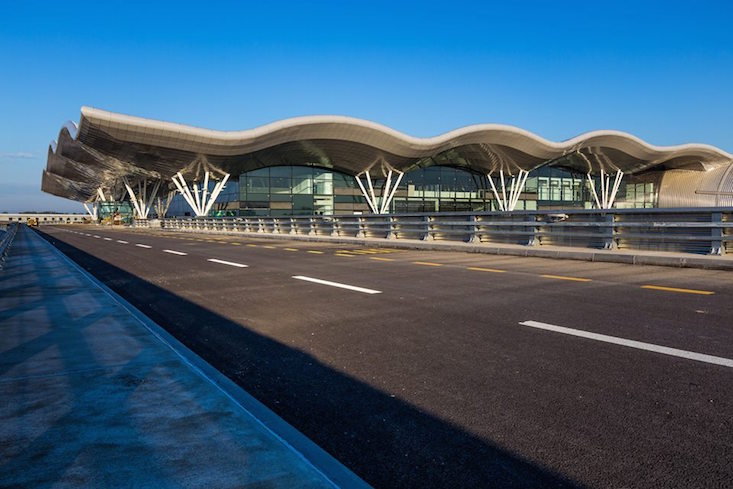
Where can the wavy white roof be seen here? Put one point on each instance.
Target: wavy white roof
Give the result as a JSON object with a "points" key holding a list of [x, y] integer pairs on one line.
{"points": [[106, 145]]}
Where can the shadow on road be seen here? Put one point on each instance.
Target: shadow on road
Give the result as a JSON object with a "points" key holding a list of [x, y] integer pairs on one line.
{"points": [[384, 440]]}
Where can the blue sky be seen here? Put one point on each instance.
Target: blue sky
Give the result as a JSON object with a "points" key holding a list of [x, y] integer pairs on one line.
{"points": [[660, 70]]}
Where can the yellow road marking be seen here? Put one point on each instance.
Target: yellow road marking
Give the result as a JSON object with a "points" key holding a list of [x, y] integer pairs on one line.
{"points": [[316, 252], [675, 289], [290, 249], [269, 247], [236, 244], [480, 269], [250, 244], [380, 258], [344, 254], [427, 263], [563, 277]]}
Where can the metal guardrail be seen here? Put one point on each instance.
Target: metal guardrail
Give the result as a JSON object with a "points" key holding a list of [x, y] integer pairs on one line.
{"points": [[693, 230], [5, 239]]}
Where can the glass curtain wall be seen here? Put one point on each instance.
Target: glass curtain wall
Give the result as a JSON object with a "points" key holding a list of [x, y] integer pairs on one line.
{"points": [[298, 190], [639, 191], [310, 190], [303, 190], [442, 189]]}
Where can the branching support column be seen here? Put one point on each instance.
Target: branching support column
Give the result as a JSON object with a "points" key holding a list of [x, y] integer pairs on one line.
{"points": [[199, 200], [142, 202], [508, 203], [381, 205], [93, 211], [162, 205], [608, 192]]}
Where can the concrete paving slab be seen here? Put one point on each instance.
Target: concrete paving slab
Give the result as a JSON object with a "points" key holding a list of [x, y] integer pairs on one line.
{"points": [[90, 397]]}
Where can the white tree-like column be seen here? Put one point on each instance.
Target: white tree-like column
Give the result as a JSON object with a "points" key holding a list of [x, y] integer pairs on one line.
{"points": [[197, 196], [608, 192], [93, 211], [162, 204], [142, 201], [516, 187], [380, 205]]}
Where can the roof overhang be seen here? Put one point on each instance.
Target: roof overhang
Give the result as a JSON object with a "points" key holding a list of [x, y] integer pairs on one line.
{"points": [[106, 146]]}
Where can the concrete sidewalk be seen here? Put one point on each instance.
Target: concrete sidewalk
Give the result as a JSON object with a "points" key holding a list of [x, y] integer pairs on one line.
{"points": [[91, 396]]}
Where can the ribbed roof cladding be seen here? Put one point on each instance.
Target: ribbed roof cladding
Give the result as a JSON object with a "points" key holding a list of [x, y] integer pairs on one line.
{"points": [[107, 146]]}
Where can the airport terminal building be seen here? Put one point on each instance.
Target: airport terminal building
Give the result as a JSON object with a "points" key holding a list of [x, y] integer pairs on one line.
{"points": [[333, 165]]}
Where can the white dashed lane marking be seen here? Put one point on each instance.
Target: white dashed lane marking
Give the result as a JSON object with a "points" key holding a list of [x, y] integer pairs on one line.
{"points": [[230, 263], [690, 355], [174, 252], [143, 245], [337, 284]]}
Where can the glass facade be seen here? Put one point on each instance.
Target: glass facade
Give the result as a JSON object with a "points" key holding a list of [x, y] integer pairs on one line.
{"points": [[298, 190], [111, 210], [312, 190], [640, 191]]}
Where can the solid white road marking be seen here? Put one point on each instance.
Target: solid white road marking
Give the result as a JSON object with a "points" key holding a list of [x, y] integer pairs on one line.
{"points": [[700, 357], [143, 246], [174, 252], [230, 263], [121, 242], [336, 284]]}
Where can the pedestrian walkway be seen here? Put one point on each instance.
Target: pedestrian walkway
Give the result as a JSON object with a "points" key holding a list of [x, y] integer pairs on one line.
{"points": [[90, 396]]}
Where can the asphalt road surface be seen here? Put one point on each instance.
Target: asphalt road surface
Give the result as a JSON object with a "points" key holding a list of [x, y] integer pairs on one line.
{"points": [[442, 369]]}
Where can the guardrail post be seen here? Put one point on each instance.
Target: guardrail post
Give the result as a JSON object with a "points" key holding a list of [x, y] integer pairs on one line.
{"points": [[426, 229], [609, 231], [293, 225], [390, 228], [334, 227], [716, 234], [312, 230], [472, 229], [532, 238], [360, 229]]}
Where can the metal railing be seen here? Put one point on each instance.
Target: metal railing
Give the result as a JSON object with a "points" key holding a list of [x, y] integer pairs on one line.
{"points": [[693, 230], [6, 237]]}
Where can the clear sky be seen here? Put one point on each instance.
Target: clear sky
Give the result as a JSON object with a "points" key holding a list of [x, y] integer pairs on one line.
{"points": [[660, 70]]}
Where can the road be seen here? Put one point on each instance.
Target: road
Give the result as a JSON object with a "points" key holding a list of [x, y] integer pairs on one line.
{"points": [[442, 369]]}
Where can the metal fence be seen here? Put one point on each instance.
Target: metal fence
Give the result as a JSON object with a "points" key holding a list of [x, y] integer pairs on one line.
{"points": [[694, 230]]}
